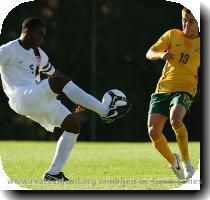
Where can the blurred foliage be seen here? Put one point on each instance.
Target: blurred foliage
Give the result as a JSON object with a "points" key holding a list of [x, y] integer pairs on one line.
{"points": [[100, 44]]}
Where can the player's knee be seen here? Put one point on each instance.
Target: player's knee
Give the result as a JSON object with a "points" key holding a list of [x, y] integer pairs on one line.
{"points": [[154, 132], [176, 122], [74, 127], [57, 83], [70, 124]]}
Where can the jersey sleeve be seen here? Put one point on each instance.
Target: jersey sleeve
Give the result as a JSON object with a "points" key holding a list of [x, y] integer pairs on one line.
{"points": [[5, 54], [45, 65], [163, 43]]}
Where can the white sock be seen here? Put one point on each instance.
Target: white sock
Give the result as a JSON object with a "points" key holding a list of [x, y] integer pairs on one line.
{"points": [[79, 96], [64, 146]]}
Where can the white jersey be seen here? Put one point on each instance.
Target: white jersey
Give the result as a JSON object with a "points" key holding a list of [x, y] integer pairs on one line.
{"points": [[19, 67]]}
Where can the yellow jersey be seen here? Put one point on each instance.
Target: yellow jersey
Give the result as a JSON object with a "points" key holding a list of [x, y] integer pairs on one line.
{"points": [[180, 73]]}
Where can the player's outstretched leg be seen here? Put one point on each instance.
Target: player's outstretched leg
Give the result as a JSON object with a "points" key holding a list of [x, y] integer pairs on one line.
{"points": [[63, 84]]}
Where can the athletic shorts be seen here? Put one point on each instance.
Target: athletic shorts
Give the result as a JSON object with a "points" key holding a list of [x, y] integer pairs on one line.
{"points": [[38, 102], [162, 102]]}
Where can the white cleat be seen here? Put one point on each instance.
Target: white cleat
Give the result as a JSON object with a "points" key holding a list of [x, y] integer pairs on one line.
{"points": [[188, 169], [177, 167]]}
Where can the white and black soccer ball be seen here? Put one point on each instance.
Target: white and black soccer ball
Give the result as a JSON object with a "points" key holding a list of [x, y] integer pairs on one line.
{"points": [[114, 98]]}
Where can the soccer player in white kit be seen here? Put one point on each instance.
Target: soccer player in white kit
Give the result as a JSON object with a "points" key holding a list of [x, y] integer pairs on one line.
{"points": [[21, 62]]}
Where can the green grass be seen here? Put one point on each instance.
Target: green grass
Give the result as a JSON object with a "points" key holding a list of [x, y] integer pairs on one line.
{"points": [[93, 166]]}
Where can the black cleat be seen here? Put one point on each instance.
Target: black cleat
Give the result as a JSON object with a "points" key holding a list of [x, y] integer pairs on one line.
{"points": [[56, 177]]}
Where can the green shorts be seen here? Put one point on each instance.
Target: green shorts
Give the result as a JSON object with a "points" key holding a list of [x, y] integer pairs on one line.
{"points": [[162, 102]]}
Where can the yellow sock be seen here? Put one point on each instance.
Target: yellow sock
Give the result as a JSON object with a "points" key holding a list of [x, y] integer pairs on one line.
{"points": [[182, 140], [162, 146]]}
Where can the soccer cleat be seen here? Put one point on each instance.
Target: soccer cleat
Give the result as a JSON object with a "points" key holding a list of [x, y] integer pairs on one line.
{"points": [[56, 177], [116, 113], [188, 169], [177, 167]]}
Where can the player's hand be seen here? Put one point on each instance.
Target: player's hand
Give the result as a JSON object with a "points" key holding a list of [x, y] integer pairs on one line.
{"points": [[167, 55], [79, 109]]}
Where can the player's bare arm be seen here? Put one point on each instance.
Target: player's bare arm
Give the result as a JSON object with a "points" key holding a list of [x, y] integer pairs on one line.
{"points": [[155, 55]]}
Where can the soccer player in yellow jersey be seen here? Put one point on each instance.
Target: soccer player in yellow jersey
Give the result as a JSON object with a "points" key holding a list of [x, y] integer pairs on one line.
{"points": [[175, 90]]}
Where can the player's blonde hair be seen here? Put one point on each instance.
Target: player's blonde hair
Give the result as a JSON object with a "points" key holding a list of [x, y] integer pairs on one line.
{"points": [[186, 10]]}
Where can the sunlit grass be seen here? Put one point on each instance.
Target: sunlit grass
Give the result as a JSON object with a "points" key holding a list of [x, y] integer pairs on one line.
{"points": [[93, 165]]}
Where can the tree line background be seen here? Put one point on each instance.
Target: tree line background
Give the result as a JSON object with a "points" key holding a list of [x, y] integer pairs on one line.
{"points": [[100, 45]]}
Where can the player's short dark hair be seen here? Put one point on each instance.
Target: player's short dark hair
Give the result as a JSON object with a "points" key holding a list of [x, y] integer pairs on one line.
{"points": [[32, 23]]}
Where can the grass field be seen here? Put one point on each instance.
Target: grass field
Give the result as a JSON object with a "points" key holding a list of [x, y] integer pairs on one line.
{"points": [[93, 166]]}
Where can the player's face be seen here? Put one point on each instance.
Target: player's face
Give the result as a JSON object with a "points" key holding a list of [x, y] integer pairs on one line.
{"points": [[37, 36], [189, 25]]}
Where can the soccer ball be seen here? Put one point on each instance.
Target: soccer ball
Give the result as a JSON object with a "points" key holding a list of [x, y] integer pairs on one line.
{"points": [[115, 98]]}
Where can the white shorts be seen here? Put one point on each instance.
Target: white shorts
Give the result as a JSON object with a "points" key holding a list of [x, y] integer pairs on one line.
{"points": [[38, 102]]}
